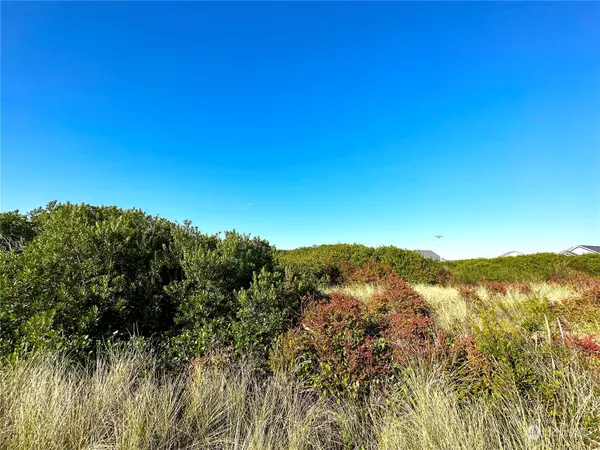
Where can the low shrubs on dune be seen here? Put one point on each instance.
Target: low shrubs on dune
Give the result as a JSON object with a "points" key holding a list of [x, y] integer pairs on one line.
{"points": [[468, 366], [525, 268], [346, 372], [590, 288], [585, 344], [347, 347], [371, 272], [346, 263], [391, 379]]}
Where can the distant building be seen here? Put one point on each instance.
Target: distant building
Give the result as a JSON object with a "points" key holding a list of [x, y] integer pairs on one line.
{"points": [[512, 253], [581, 250], [430, 255]]}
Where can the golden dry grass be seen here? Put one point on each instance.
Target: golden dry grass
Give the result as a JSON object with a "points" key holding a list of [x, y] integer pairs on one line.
{"points": [[124, 403]]}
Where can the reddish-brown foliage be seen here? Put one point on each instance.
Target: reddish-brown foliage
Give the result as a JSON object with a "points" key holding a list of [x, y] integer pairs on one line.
{"points": [[410, 336], [586, 345], [584, 306], [344, 269], [468, 292], [523, 288], [589, 288], [559, 279], [398, 297], [339, 312], [345, 345], [371, 272], [496, 287], [468, 365]]}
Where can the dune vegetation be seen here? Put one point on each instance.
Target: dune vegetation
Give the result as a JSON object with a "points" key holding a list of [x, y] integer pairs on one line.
{"points": [[120, 330]]}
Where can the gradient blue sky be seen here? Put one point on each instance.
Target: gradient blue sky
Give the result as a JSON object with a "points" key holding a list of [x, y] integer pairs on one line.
{"points": [[310, 123]]}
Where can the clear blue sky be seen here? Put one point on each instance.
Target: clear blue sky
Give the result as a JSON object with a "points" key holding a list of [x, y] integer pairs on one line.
{"points": [[310, 123]]}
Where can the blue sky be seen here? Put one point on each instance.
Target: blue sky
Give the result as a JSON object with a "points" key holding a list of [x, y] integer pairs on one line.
{"points": [[310, 123]]}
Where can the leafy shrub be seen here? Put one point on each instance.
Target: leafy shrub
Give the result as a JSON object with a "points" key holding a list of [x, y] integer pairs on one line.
{"points": [[337, 346], [345, 347], [524, 268], [496, 287], [410, 336], [515, 352], [397, 296], [590, 288], [206, 299], [535, 314], [580, 311], [468, 292], [90, 274], [585, 344], [371, 272], [266, 310], [342, 263], [16, 230], [469, 367]]}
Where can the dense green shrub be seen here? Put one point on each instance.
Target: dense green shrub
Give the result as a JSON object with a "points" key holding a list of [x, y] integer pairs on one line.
{"points": [[214, 269], [341, 263], [265, 311], [16, 230], [88, 274], [537, 267]]}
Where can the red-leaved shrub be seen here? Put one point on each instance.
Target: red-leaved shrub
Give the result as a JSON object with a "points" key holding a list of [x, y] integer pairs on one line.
{"points": [[468, 292], [585, 345], [338, 345], [589, 288], [345, 347], [523, 288], [468, 366], [371, 272], [410, 336], [398, 297], [587, 285], [496, 287]]}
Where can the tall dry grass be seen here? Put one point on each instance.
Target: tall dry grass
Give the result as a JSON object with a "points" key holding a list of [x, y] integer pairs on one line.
{"points": [[451, 311], [456, 316], [124, 402]]}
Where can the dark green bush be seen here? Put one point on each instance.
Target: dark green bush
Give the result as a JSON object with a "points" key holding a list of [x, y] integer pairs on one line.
{"points": [[15, 230], [89, 274], [266, 309], [341, 263]]}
